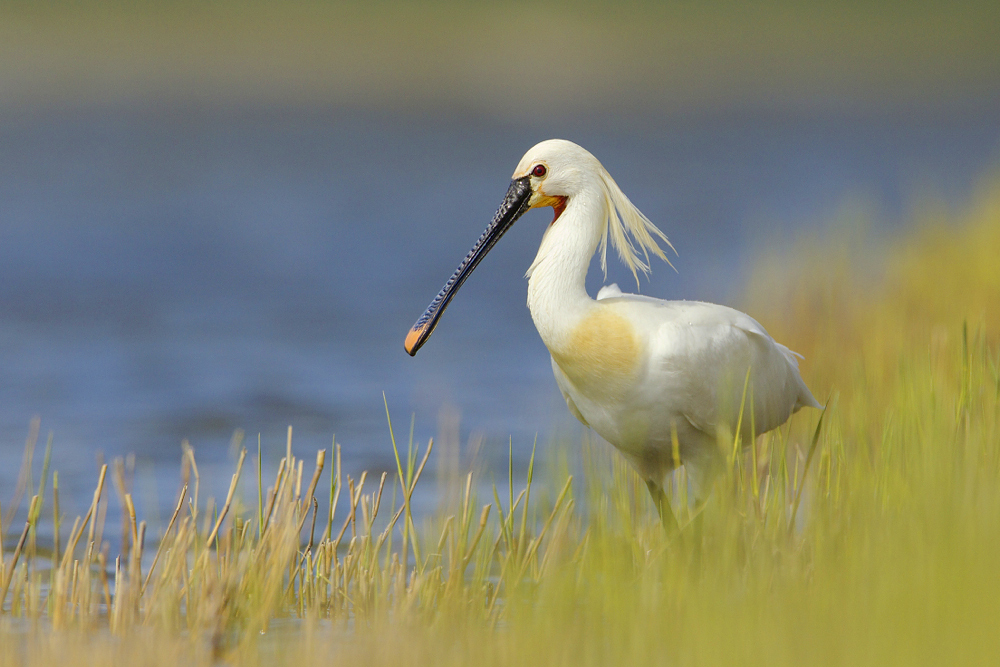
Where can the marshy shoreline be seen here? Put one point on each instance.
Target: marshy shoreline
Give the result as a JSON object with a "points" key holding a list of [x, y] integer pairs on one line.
{"points": [[871, 540]]}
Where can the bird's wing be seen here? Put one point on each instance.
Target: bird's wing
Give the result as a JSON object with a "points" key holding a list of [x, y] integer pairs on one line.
{"points": [[610, 291], [700, 354]]}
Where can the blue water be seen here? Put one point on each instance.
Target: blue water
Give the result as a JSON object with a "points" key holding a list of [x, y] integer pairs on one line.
{"points": [[170, 274]]}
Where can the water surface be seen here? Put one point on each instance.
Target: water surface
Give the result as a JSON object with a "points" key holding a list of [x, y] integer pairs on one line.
{"points": [[170, 274]]}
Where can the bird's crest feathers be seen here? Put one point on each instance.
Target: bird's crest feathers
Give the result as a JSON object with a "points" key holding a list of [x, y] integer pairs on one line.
{"points": [[573, 167], [631, 233]]}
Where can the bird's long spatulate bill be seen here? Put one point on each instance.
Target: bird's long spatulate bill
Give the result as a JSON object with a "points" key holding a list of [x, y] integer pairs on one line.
{"points": [[513, 206]]}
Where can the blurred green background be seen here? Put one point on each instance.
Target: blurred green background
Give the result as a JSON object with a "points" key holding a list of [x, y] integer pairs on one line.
{"points": [[508, 59]]}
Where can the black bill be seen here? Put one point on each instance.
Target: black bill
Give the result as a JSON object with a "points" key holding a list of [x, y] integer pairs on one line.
{"points": [[515, 203]]}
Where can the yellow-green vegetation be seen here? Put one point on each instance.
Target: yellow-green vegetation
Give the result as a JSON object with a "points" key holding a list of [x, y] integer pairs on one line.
{"points": [[876, 542]]}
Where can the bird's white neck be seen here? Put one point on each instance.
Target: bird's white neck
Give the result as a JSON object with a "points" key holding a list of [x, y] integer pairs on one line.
{"points": [[557, 293]]}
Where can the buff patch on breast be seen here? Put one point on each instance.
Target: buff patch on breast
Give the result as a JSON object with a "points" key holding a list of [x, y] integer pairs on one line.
{"points": [[601, 356]]}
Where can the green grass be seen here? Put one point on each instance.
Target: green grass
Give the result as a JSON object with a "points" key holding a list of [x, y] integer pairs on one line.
{"points": [[890, 557]]}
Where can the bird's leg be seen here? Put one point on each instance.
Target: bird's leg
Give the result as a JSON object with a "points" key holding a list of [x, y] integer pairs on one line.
{"points": [[667, 517]]}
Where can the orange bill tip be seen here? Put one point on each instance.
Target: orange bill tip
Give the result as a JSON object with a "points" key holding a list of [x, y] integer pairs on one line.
{"points": [[411, 340]]}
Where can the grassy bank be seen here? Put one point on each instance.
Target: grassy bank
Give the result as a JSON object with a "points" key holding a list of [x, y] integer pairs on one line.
{"points": [[876, 542]]}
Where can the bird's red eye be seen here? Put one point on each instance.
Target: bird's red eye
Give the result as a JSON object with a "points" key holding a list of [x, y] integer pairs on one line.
{"points": [[539, 170]]}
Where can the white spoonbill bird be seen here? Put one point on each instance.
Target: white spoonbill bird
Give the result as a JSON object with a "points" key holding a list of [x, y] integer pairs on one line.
{"points": [[639, 371]]}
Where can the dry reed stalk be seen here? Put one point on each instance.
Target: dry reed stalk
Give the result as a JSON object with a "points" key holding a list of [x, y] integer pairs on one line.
{"points": [[77, 531], [100, 519], [298, 481], [274, 493], [86, 589], [175, 565], [335, 486], [483, 517], [312, 527], [121, 490], [311, 490], [2, 566], [350, 514], [130, 513], [135, 573], [229, 498], [13, 563], [102, 560], [97, 499], [266, 517], [74, 603], [190, 467], [114, 619], [55, 520], [159, 548], [355, 497], [68, 561], [377, 501], [366, 518], [20, 578]]}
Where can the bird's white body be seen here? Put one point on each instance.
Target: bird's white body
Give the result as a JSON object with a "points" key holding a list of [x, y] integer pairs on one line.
{"points": [[639, 371], [684, 371]]}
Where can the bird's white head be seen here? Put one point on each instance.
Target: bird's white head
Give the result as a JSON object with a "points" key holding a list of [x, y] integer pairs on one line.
{"points": [[556, 173], [559, 170]]}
